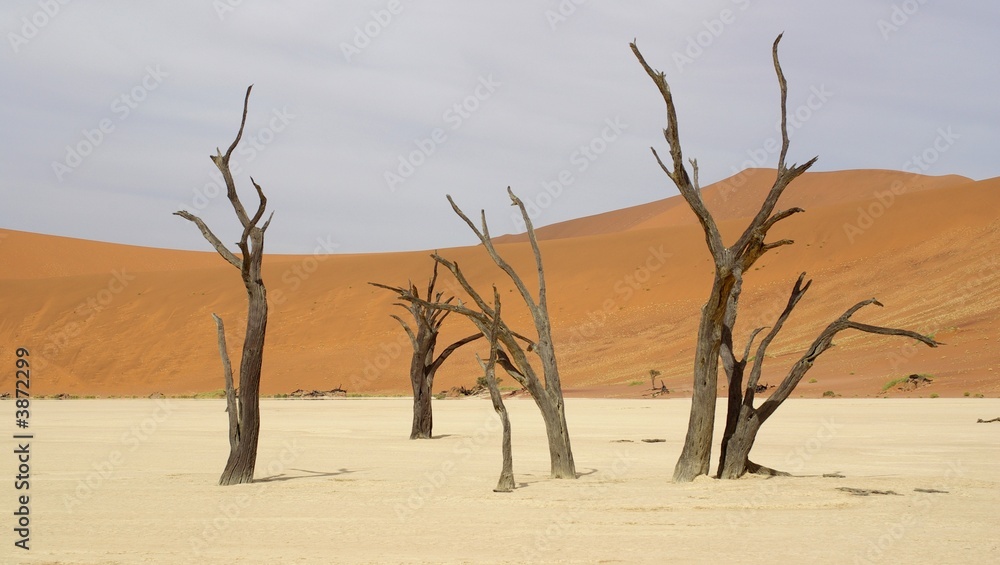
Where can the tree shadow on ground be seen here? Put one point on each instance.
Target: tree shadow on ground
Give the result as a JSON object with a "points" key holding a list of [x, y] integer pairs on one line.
{"points": [[546, 478], [309, 475]]}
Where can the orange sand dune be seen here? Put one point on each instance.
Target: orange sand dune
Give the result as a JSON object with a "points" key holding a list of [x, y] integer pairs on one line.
{"points": [[740, 196], [625, 292]]}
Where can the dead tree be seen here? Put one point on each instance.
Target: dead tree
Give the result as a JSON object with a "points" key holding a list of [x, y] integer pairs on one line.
{"points": [[511, 355], [744, 423], [730, 264], [506, 482], [423, 364], [718, 317], [244, 412]]}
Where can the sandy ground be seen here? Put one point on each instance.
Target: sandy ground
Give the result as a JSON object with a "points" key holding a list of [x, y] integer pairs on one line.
{"points": [[134, 481]]}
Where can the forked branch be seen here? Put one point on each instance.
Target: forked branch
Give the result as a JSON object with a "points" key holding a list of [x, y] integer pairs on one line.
{"points": [[212, 238], [483, 234], [742, 427], [822, 343], [512, 357], [763, 221], [677, 172], [251, 243], [222, 162], [798, 291]]}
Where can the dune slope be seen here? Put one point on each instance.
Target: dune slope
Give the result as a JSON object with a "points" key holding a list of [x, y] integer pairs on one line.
{"points": [[625, 292]]}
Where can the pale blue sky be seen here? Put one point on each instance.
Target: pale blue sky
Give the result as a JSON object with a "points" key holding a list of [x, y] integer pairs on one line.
{"points": [[346, 90]]}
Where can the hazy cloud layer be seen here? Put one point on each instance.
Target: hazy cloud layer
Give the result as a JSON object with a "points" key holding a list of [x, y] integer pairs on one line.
{"points": [[365, 114]]}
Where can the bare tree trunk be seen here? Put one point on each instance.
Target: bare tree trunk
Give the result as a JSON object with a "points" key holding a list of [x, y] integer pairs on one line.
{"points": [[696, 454], [232, 401], [736, 459], [506, 481], [422, 383], [734, 369], [560, 451], [245, 409], [240, 465]]}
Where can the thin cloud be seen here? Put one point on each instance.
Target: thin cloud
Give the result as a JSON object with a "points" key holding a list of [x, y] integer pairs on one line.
{"points": [[366, 88]]}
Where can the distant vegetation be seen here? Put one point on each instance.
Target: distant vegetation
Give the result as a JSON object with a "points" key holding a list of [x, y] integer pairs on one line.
{"points": [[892, 383]]}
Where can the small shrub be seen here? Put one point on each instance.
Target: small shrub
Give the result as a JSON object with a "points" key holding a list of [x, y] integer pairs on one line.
{"points": [[439, 396], [813, 381], [966, 394], [634, 383], [653, 373], [892, 383], [829, 394], [934, 395], [978, 395], [481, 382]]}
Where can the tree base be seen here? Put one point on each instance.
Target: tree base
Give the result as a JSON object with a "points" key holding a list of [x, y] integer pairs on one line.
{"points": [[506, 483], [235, 478]]}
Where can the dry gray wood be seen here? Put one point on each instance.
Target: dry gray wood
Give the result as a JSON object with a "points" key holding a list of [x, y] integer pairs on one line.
{"points": [[243, 452], [423, 364], [232, 406], [867, 492], [719, 313], [506, 482], [512, 356], [734, 461]]}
